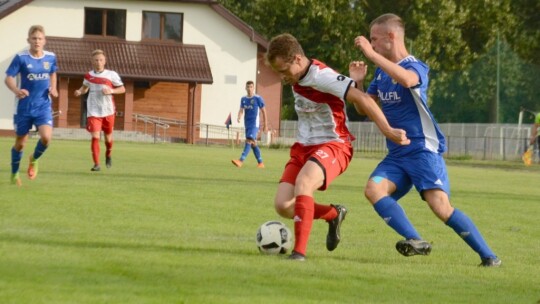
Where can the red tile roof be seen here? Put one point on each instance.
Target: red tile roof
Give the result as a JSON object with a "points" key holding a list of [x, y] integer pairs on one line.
{"points": [[146, 61]]}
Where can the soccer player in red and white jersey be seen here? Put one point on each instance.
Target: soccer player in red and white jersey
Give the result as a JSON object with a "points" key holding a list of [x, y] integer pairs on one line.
{"points": [[323, 148], [101, 84]]}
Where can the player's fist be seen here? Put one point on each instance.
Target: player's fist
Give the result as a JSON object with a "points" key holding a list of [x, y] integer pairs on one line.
{"points": [[23, 93], [106, 90], [399, 137], [53, 92], [358, 71]]}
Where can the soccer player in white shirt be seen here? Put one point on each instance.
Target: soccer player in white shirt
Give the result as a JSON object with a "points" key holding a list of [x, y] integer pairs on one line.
{"points": [[323, 148], [101, 84]]}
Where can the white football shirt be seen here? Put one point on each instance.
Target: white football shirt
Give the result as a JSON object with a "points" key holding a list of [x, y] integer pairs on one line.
{"points": [[320, 105], [99, 104]]}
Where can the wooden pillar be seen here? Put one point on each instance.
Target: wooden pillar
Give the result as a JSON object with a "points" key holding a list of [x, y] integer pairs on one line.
{"points": [[63, 99], [191, 113], [128, 106]]}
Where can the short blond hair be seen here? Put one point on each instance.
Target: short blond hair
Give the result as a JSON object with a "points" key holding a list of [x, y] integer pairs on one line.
{"points": [[36, 28], [391, 20], [98, 52]]}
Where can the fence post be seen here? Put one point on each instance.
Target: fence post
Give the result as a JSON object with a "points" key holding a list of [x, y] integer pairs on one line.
{"points": [[155, 132], [207, 135], [485, 148], [503, 148], [448, 146]]}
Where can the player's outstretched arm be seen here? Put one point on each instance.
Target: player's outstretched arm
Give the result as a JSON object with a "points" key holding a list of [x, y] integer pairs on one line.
{"points": [[368, 106], [52, 88], [265, 120], [81, 91], [240, 114], [401, 75], [358, 72]]}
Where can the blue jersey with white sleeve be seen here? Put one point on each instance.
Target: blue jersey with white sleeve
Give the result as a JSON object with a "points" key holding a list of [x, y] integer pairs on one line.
{"points": [[251, 106], [35, 78], [407, 109]]}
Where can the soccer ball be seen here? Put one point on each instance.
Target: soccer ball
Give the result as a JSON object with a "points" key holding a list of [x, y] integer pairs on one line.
{"points": [[274, 237]]}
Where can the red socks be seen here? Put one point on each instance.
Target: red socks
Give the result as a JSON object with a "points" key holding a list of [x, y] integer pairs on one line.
{"points": [[304, 209], [325, 212], [108, 145], [95, 150]]}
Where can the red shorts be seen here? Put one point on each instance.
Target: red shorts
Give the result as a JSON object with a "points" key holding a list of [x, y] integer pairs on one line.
{"points": [[332, 157], [98, 124]]}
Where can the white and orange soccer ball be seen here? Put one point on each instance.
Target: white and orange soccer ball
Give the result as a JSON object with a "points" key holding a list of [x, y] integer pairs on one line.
{"points": [[273, 237]]}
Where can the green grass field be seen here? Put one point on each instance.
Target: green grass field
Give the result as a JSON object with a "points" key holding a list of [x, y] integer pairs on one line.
{"points": [[173, 223]]}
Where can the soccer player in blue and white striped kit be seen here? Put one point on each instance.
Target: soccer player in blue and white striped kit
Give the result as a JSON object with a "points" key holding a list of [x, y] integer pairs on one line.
{"points": [[37, 70], [400, 85]]}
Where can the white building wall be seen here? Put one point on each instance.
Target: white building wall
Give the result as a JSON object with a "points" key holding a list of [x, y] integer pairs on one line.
{"points": [[233, 60], [231, 54]]}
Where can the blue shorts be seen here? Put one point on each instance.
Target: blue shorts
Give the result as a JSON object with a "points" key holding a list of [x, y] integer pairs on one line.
{"points": [[424, 170], [22, 123], [251, 133]]}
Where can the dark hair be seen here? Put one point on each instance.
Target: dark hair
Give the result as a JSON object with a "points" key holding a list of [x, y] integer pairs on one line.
{"points": [[249, 82], [284, 46]]}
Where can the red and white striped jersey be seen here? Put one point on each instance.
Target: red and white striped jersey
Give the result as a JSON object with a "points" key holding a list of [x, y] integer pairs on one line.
{"points": [[98, 104], [320, 105]]}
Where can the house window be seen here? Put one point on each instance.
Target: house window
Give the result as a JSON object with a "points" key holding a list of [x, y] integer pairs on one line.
{"points": [[105, 22], [163, 26]]}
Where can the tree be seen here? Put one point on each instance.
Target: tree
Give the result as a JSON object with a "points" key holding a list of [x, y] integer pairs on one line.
{"points": [[457, 38], [325, 29]]}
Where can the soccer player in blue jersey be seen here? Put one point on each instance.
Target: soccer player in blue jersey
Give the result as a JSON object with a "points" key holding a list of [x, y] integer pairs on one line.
{"points": [[251, 104], [37, 70], [400, 85]]}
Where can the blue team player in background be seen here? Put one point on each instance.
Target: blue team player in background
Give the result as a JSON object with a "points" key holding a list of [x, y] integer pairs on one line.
{"points": [[400, 84], [251, 104], [37, 70]]}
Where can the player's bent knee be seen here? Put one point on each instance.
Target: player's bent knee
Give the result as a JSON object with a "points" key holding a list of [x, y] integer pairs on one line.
{"points": [[45, 141], [372, 194], [285, 213], [284, 208]]}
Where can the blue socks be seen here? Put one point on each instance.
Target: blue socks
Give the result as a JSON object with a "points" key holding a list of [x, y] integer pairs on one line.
{"points": [[247, 148], [392, 213], [15, 160], [466, 229], [256, 151], [17, 155], [39, 150]]}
